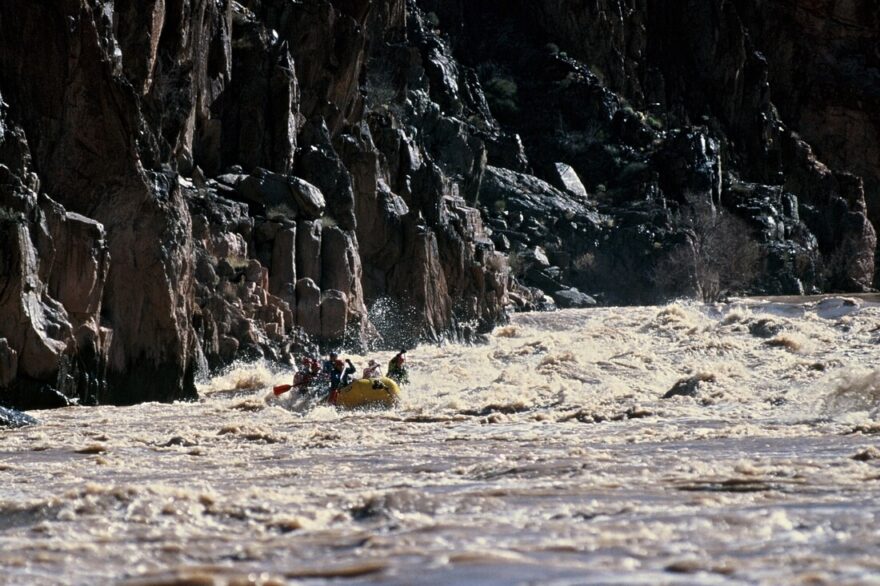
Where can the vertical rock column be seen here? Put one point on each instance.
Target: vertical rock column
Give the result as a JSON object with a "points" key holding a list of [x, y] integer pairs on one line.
{"points": [[282, 275]]}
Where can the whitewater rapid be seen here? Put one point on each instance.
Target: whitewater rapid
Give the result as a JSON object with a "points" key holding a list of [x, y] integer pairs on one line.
{"points": [[547, 455]]}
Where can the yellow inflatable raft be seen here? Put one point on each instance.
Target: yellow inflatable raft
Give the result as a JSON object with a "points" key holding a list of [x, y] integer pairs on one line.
{"points": [[374, 392]]}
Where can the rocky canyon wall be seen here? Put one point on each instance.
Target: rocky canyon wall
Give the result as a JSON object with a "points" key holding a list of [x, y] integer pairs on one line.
{"points": [[681, 119], [185, 183]]}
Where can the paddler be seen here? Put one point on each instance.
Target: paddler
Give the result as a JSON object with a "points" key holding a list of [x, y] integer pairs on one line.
{"points": [[373, 370], [397, 368], [340, 377], [306, 374], [329, 364]]}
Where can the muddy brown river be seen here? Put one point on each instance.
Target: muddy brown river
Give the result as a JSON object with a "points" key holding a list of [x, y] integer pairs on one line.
{"points": [[547, 456]]}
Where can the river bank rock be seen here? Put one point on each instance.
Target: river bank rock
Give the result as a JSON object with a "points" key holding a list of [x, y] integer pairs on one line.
{"points": [[572, 298], [12, 418]]}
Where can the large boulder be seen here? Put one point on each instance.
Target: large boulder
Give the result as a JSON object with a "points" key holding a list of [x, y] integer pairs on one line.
{"points": [[564, 177], [518, 192], [572, 298], [334, 315], [308, 306], [282, 195]]}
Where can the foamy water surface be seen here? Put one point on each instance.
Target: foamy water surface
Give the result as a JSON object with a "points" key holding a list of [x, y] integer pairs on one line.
{"points": [[546, 456]]}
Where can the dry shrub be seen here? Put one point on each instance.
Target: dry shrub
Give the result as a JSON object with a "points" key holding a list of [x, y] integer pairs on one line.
{"points": [[585, 262], [720, 256]]}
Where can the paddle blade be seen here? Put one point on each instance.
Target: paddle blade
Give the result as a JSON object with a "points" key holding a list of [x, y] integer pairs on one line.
{"points": [[281, 389]]}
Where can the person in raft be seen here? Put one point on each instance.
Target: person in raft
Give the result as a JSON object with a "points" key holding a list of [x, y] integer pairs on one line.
{"points": [[397, 368], [329, 365], [340, 377], [373, 370], [306, 374]]}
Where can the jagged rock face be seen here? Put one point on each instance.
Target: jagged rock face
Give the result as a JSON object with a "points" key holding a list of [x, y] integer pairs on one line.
{"points": [[184, 183], [90, 141], [259, 118], [210, 161], [243, 306], [670, 108], [824, 64], [53, 267], [761, 70]]}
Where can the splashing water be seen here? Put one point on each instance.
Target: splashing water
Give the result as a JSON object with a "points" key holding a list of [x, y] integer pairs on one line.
{"points": [[855, 391], [242, 377], [546, 455], [396, 323]]}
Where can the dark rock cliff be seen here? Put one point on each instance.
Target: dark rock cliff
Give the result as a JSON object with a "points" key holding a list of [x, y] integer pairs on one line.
{"points": [[680, 119], [184, 183]]}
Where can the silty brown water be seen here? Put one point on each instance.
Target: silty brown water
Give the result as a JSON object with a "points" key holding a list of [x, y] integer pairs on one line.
{"points": [[545, 456]]}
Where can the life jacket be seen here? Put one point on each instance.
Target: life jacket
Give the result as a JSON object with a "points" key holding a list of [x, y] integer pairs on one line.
{"points": [[340, 378]]}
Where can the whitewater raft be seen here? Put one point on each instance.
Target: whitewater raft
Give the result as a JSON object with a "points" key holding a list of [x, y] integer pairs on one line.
{"points": [[368, 393]]}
